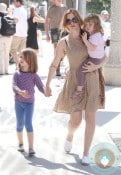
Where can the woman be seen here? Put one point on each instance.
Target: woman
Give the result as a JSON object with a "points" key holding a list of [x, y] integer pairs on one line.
{"points": [[32, 29], [93, 93]]}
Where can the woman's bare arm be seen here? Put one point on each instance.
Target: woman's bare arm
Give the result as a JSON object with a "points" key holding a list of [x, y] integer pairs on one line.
{"points": [[47, 22], [59, 54], [38, 19]]}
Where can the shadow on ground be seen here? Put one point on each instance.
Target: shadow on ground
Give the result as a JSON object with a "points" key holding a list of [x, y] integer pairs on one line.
{"points": [[104, 117]]}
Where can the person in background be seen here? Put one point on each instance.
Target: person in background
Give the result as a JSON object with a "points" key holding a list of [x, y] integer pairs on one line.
{"points": [[95, 47], [5, 44], [52, 23], [24, 81], [104, 16], [93, 96], [19, 39], [34, 18]]}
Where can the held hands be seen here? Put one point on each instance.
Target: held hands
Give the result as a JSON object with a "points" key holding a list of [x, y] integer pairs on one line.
{"points": [[90, 67], [48, 91]]}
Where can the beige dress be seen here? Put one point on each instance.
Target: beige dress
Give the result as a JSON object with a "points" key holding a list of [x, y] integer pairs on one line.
{"points": [[93, 94]]}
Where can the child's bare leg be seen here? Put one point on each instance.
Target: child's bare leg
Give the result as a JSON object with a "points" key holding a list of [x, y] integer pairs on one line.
{"points": [[20, 137], [79, 88], [30, 136], [20, 141]]}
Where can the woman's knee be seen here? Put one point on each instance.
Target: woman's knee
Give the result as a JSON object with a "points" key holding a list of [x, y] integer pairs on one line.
{"points": [[90, 117], [75, 120], [74, 124]]}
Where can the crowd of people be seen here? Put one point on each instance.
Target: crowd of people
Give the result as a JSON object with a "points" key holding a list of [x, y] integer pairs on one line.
{"points": [[25, 36], [84, 83]]}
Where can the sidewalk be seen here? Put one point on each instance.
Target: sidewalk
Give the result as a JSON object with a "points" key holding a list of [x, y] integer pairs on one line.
{"points": [[51, 128]]}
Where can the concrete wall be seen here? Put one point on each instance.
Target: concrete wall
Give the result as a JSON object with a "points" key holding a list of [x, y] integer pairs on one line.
{"points": [[112, 70]]}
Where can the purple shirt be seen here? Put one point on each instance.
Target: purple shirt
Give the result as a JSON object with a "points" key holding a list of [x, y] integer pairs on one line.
{"points": [[26, 81]]}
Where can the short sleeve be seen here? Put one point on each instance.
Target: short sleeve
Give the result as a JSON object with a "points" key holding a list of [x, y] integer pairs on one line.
{"points": [[96, 38]]}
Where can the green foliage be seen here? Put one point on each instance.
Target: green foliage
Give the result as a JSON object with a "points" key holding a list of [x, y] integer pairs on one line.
{"points": [[39, 1], [95, 6]]}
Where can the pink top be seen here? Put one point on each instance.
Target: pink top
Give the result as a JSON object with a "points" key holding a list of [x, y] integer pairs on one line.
{"points": [[97, 39]]}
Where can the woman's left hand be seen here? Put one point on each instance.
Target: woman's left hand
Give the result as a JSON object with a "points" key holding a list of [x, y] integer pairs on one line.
{"points": [[90, 67]]}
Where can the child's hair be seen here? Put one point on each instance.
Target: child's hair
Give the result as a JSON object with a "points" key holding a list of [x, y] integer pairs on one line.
{"points": [[30, 57], [97, 22]]}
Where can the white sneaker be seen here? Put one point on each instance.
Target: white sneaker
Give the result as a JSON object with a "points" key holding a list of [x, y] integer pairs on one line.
{"points": [[68, 146], [85, 161], [31, 152], [20, 148]]}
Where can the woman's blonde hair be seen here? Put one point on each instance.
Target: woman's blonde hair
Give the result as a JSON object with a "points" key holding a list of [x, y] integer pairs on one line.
{"points": [[30, 57], [96, 20], [64, 25]]}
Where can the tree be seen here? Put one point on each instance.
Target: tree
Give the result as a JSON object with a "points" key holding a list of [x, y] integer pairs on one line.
{"points": [[95, 6]]}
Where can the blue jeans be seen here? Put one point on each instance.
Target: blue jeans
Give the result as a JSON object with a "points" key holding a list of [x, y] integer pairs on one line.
{"points": [[24, 114]]}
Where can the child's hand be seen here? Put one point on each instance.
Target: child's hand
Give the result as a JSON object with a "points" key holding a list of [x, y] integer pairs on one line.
{"points": [[84, 36], [24, 93]]}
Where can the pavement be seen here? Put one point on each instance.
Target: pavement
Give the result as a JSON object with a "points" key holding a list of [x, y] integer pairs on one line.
{"points": [[50, 129]]}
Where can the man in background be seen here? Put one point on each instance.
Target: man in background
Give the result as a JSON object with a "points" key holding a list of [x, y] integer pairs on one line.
{"points": [[19, 39], [104, 15], [52, 23]]}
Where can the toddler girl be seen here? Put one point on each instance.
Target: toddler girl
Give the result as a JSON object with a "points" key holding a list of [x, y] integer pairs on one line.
{"points": [[95, 47]]}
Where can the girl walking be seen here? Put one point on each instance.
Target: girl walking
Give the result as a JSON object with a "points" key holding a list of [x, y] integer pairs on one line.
{"points": [[24, 81]]}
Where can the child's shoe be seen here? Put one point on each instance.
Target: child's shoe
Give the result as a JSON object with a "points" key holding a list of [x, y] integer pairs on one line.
{"points": [[20, 148], [31, 152], [76, 95]]}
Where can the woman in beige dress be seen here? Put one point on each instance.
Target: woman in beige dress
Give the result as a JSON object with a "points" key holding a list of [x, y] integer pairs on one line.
{"points": [[93, 93]]}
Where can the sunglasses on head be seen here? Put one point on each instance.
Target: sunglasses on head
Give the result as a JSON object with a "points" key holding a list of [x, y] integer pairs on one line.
{"points": [[73, 20]]}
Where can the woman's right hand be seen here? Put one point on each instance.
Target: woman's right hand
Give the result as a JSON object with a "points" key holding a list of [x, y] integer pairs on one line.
{"points": [[90, 67], [48, 91]]}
